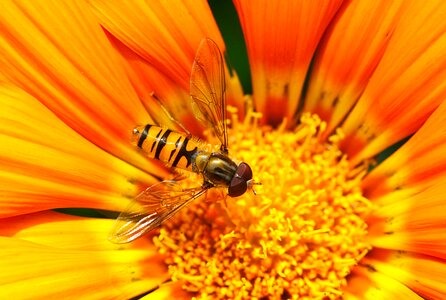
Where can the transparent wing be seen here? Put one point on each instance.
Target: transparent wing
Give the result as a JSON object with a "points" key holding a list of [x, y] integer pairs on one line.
{"points": [[152, 207], [207, 89]]}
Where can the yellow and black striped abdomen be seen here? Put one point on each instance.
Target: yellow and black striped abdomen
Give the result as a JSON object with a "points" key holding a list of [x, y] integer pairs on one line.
{"points": [[173, 148]]}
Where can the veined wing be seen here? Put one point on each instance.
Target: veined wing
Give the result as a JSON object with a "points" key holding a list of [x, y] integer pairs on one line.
{"points": [[207, 89], [152, 207]]}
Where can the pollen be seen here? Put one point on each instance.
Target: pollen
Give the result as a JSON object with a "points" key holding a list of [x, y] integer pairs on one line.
{"points": [[297, 237]]}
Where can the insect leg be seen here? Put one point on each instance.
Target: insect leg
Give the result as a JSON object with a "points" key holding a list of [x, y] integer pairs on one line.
{"points": [[166, 111]]}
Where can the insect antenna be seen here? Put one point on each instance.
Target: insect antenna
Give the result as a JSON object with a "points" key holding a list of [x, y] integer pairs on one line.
{"points": [[251, 185]]}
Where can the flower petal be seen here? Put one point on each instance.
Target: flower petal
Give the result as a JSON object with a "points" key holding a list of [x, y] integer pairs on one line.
{"points": [[281, 38], [45, 164], [413, 224], [348, 55], [149, 83], [418, 164], [164, 33], [407, 85], [55, 273], [160, 62], [366, 284], [64, 231], [58, 53], [422, 274]]}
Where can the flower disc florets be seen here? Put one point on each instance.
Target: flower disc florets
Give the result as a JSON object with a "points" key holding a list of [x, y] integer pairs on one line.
{"points": [[299, 237]]}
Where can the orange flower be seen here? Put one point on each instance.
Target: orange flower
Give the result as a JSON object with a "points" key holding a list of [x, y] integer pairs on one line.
{"points": [[334, 85]]}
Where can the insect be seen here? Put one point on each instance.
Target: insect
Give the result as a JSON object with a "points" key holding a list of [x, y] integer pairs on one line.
{"points": [[164, 199]]}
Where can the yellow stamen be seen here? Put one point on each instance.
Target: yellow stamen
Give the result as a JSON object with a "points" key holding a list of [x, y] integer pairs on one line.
{"points": [[298, 237]]}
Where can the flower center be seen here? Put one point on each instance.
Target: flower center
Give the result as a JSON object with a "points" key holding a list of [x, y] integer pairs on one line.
{"points": [[299, 236]]}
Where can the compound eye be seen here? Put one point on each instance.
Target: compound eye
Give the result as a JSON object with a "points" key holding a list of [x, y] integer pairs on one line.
{"points": [[244, 171], [237, 187]]}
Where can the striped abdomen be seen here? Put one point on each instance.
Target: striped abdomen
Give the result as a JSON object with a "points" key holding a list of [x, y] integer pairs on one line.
{"points": [[168, 146]]}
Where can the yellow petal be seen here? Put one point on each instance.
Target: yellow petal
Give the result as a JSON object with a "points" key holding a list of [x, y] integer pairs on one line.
{"points": [[33, 271], [45, 164], [418, 164], [422, 274], [164, 33], [413, 223], [366, 284], [407, 85], [63, 231], [57, 52], [281, 38], [348, 56]]}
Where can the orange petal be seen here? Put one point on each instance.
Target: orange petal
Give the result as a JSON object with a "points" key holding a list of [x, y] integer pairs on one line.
{"points": [[413, 223], [407, 85], [30, 270], [166, 34], [281, 38], [422, 274], [45, 164], [149, 81], [147, 67], [418, 164], [58, 53], [171, 290], [348, 55], [366, 284]]}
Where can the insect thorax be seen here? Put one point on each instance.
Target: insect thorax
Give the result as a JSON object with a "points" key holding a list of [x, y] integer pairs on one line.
{"points": [[216, 168]]}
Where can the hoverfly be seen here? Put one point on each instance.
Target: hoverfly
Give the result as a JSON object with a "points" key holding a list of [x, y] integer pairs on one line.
{"points": [[164, 199]]}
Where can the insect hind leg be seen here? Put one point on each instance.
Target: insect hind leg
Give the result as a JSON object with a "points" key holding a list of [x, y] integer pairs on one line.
{"points": [[169, 115]]}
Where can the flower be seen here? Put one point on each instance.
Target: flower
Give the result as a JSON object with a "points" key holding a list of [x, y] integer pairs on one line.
{"points": [[334, 85]]}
